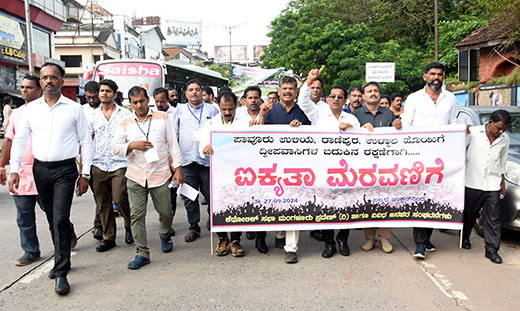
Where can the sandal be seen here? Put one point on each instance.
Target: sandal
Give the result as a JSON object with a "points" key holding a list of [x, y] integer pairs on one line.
{"points": [[138, 262]]}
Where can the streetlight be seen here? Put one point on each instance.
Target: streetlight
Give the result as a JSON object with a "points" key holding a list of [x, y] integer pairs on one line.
{"points": [[230, 29]]}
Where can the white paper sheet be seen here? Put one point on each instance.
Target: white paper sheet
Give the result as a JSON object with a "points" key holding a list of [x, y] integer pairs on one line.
{"points": [[188, 191]]}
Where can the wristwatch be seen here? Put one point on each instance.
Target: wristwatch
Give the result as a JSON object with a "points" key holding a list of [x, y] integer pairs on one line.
{"points": [[86, 176]]}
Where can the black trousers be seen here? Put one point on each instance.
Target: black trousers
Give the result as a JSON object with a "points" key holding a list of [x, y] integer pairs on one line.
{"points": [[197, 176], [234, 235], [173, 199], [328, 236], [421, 236], [55, 182], [491, 205]]}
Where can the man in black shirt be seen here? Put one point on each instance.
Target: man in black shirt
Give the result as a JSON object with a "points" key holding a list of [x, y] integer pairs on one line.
{"points": [[373, 115]]}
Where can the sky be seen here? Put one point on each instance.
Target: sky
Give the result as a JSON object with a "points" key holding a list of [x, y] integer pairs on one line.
{"points": [[256, 15]]}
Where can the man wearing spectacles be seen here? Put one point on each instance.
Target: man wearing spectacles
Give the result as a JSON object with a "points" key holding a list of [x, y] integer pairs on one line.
{"points": [[59, 128], [331, 115]]}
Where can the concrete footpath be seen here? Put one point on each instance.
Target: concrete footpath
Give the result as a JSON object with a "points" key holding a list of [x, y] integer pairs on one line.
{"points": [[191, 278]]}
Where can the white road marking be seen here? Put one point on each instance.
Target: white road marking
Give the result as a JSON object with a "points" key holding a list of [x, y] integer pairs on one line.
{"points": [[441, 281], [42, 270]]}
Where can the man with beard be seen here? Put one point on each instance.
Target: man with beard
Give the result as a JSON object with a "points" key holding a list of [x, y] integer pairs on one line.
{"points": [[355, 98], [27, 197], [108, 170], [160, 96], [173, 97], [373, 115], [188, 124], [328, 116], [430, 106], [59, 129], [93, 103], [285, 112], [397, 103], [227, 117]]}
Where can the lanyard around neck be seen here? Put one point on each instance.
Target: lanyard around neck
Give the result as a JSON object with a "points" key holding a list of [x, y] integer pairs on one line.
{"points": [[201, 109], [149, 125]]}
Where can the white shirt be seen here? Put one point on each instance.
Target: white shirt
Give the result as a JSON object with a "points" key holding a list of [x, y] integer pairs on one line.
{"points": [[58, 132], [486, 162], [322, 103], [322, 115], [422, 111], [103, 131], [89, 111], [244, 113], [217, 123], [171, 112]]}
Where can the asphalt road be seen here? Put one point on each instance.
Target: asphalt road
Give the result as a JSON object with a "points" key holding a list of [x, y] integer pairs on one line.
{"points": [[190, 278]]}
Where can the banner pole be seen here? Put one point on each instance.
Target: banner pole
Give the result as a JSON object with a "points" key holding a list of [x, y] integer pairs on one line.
{"points": [[211, 233], [460, 238]]}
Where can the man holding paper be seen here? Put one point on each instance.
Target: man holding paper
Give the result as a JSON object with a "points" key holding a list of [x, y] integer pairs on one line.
{"points": [[148, 139]]}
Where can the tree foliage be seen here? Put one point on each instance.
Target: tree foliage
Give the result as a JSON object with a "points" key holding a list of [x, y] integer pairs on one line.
{"points": [[344, 35]]}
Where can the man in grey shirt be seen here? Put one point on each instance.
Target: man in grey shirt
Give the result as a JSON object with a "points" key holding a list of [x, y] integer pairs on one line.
{"points": [[188, 123]]}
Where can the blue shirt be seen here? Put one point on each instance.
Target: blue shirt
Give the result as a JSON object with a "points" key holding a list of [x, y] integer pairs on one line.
{"points": [[188, 125], [347, 109], [278, 115]]}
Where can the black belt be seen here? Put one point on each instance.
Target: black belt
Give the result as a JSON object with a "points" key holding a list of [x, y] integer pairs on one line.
{"points": [[71, 161]]}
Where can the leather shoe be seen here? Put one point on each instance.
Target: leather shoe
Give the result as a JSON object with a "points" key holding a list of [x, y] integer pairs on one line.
{"points": [[97, 234], [466, 244], [261, 246], [290, 257], [51, 275], [129, 238], [105, 246], [192, 236], [316, 234], [62, 285], [250, 235], [343, 248], [494, 257], [173, 233], [329, 251]]}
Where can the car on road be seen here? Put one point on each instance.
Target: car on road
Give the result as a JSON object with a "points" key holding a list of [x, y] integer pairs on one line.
{"points": [[479, 115]]}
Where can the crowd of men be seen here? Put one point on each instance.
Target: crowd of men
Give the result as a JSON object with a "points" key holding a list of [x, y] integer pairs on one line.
{"points": [[127, 155]]}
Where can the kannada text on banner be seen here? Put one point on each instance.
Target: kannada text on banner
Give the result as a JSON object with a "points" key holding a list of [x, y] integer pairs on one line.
{"points": [[267, 178]]}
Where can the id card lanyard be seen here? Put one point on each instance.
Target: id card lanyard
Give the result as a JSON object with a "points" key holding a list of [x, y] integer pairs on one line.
{"points": [[149, 126]]}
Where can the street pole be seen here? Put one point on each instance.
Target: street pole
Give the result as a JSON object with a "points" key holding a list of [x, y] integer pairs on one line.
{"points": [[436, 30], [230, 29], [28, 31]]}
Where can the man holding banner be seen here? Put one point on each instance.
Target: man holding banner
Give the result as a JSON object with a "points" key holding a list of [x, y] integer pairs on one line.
{"points": [[373, 115], [431, 106], [285, 112], [227, 117], [328, 116]]}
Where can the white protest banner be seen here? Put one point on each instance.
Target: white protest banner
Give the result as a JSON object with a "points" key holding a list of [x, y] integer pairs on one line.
{"points": [[267, 178], [380, 72]]}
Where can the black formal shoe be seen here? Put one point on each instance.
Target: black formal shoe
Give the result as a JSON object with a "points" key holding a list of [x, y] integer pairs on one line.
{"points": [[204, 202], [343, 248], [466, 244], [250, 235], [105, 246], [329, 251], [62, 285], [173, 233], [494, 257], [51, 275], [97, 234], [261, 246], [316, 234], [129, 238]]}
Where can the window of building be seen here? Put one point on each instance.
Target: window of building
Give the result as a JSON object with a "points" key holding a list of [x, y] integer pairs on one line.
{"points": [[97, 58], [72, 60]]}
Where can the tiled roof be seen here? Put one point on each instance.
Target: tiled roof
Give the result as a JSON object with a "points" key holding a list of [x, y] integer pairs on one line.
{"points": [[485, 34]]}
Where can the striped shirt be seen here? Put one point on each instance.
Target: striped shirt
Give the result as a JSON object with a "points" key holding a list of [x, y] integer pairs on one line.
{"points": [[161, 134]]}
